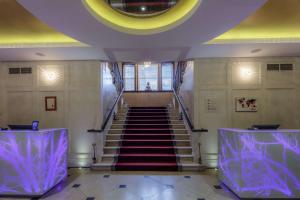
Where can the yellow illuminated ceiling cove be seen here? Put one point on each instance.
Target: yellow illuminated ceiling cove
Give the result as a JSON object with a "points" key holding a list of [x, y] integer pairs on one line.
{"points": [[19, 28], [135, 25], [278, 21]]}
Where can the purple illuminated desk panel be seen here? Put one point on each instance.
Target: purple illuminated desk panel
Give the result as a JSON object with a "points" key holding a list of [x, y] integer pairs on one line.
{"points": [[260, 163], [32, 162]]}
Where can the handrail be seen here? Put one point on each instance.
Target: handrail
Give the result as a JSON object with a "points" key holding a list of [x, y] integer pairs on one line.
{"points": [[186, 115], [103, 127]]}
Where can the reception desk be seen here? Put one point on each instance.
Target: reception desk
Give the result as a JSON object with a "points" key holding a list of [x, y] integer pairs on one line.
{"points": [[32, 162], [260, 163]]}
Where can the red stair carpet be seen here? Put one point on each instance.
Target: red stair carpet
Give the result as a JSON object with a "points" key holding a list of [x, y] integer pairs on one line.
{"points": [[147, 141]]}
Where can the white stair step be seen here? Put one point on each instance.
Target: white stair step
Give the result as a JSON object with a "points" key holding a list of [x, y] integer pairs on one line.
{"points": [[183, 158], [192, 167], [107, 166]]}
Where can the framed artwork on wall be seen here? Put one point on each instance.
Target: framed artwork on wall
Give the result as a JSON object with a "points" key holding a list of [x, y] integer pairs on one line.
{"points": [[245, 104], [50, 103]]}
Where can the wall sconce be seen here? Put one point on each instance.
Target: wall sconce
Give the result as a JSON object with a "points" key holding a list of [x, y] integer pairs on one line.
{"points": [[246, 73], [50, 75]]}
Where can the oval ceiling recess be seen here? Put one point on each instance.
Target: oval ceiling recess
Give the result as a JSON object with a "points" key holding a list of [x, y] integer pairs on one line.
{"points": [[142, 18]]}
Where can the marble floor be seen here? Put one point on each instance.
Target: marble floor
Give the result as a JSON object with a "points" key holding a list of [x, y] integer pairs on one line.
{"points": [[83, 184]]}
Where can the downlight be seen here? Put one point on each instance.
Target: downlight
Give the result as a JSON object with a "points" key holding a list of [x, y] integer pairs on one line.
{"points": [[142, 8]]}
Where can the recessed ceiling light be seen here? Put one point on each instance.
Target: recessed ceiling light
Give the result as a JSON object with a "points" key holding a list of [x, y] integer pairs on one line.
{"points": [[40, 54], [255, 50], [147, 64], [143, 8]]}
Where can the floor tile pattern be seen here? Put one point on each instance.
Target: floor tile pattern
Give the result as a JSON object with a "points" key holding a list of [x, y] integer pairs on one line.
{"points": [[138, 186]]}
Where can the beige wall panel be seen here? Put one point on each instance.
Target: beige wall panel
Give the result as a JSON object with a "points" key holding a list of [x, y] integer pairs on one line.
{"points": [[297, 105], [20, 107], [84, 74], [83, 115], [148, 98], [50, 119], [212, 121], [212, 73], [297, 74], [280, 107], [246, 119]]}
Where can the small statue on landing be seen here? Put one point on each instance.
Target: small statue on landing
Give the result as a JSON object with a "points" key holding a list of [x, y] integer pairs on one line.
{"points": [[148, 87]]}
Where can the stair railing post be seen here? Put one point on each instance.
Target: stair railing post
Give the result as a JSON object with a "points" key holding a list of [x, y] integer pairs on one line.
{"points": [[94, 150], [180, 116], [200, 159]]}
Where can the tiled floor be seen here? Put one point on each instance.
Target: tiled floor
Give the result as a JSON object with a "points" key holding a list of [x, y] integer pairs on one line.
{"points": [[84, 184]]}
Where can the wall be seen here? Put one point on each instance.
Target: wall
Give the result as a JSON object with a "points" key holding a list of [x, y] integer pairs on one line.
{"points": [[148, 98], [222, 80], [186, 91], [77, 86]]}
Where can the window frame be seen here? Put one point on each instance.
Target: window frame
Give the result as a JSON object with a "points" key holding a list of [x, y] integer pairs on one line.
{"points": [[161, 75], [136, 76], [138, 79]]}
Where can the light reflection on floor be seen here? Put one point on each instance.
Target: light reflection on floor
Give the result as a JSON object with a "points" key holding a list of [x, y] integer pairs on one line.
{"points": [[138, 186]]}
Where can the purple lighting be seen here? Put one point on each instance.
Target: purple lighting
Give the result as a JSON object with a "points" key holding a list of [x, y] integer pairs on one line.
{"points": [[32, 162], [262, 164]]}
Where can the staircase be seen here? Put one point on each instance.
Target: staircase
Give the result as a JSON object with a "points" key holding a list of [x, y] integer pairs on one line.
{"points": [[147, 139]]}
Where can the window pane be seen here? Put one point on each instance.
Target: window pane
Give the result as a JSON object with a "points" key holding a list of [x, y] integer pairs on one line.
{"points": [[129, 77], [167, 76], [129, 71], [129, 84], [149, 75]]}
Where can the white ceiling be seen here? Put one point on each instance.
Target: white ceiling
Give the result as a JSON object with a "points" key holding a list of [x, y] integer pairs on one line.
{"points": [[212, 18]]}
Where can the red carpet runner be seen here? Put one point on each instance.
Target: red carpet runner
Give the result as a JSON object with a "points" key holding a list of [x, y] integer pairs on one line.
{"points": [[147, 141]]}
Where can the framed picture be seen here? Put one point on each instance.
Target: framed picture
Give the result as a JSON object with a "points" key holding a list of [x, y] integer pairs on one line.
{"points": [[50, 103], [245, 104]]}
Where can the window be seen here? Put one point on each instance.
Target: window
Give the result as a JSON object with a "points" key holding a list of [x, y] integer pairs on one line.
{"points": [[152, 77], [166, 76], [148, 75], [129, 77]]}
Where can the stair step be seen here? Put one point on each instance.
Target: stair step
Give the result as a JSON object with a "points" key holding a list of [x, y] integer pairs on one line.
{"points": [[180, 157], [144, 131], [142, 166], [172, 117], [172, 122], [128, 126], [147, 136], [149, 142], [107, 166], [147, 158], [147, 149]]}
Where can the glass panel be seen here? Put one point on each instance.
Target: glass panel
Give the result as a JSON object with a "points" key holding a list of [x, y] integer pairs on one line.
{"points": [[167, 76], [148, 77], [129, 84], [142, 8], [129, 77]]}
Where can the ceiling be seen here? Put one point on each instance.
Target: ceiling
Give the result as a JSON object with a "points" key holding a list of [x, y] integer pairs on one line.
{"points": [[19, 28], [276, 22], [213, 20]]}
